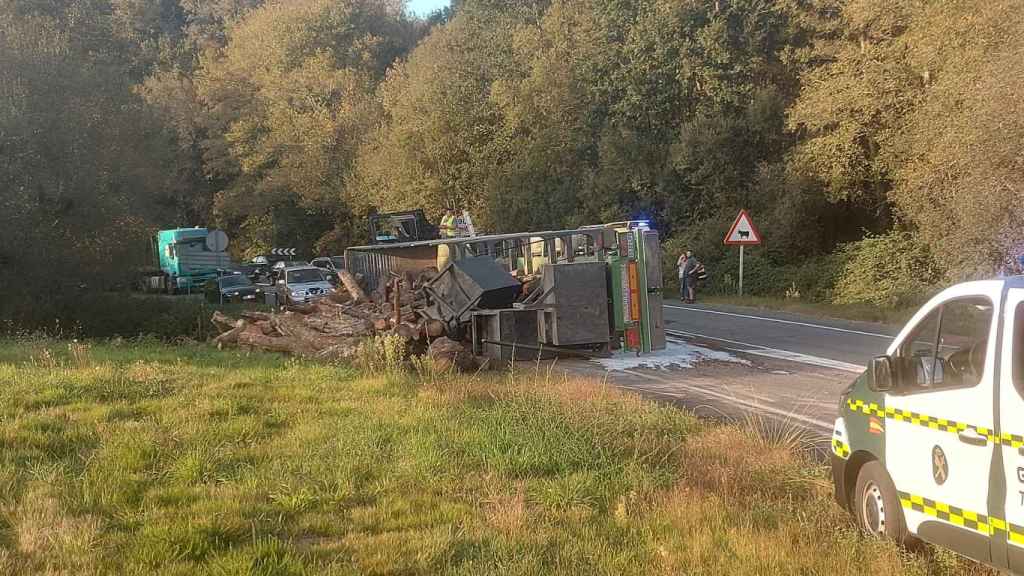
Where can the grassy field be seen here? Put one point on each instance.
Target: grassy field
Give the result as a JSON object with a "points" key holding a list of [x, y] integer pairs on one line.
{"points": [[146, 459]]}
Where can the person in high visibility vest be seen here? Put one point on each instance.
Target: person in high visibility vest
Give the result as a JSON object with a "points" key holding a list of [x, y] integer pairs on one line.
{"points": [[447, 230], [447, 227]]}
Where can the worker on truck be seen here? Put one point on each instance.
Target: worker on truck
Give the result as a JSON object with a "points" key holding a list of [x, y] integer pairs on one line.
{"points": [[447, 230], [454, 224], [447, 227], [929, 442]]}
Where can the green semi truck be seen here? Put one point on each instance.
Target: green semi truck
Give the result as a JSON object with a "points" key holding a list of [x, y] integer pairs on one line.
{"points": [[186, 258]]}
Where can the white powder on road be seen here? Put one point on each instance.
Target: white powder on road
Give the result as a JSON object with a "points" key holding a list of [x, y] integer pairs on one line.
{"points": [[675, 355]]}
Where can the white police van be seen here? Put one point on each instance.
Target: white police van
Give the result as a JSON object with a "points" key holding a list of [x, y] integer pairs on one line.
{"points": [[929, 443]]}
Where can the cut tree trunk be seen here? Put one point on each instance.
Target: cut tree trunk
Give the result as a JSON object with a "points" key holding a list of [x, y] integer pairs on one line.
{"points": [[231, 336], [255, 339], [350, 283], [304, 309], [333, 327], [408, 331], [435, 328], [448, 354], [223, 322], [255, 316]]}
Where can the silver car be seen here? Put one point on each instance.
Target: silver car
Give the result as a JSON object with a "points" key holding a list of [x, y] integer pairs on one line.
{"points": [[302, 284]]}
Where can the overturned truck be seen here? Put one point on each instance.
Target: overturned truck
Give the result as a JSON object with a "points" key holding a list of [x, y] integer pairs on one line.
{"points": [[583, 291], [580, 292]]}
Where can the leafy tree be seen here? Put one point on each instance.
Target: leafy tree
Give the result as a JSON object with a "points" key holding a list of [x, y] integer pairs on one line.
{"points": [[545, 115], [917, 109], [437, 141], [80, 155], [960, 168], [286, 103]]}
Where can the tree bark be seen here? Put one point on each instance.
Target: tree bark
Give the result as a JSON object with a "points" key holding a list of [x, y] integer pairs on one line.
{"points": [[231, 336], [350, 283]]}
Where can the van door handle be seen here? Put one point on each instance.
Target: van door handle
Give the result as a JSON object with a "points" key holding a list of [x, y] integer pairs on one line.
{"points": [[972, 437]]}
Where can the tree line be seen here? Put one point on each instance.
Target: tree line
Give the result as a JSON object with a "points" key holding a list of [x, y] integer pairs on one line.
{"points": [[876, 143]]}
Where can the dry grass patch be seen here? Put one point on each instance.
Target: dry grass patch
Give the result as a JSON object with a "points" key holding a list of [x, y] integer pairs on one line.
{"points": [[48, 540]]}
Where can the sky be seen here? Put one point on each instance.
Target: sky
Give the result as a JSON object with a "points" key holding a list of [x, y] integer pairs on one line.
{"points": [[424, 7]]}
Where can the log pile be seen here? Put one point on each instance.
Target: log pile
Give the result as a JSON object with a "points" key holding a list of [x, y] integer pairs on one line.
{"points": [[333, 328]]}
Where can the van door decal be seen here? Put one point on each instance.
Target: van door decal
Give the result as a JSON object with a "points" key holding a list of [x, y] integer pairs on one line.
{"points": [[940, 466]]}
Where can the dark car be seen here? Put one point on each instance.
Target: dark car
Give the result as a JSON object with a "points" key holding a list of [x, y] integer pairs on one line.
{"points": [[232, 288], [251, 271]]}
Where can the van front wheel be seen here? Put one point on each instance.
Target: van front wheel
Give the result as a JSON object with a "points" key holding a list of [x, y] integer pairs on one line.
{"points": [[876, 505]]}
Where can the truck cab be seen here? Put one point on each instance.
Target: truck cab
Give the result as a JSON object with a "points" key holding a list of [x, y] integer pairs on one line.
{"points": [[929, 442], [189, 257], [399, 227]]}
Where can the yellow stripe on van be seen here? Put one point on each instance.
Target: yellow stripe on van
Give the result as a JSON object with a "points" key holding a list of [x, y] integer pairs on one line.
{"points": [[943, 424]]}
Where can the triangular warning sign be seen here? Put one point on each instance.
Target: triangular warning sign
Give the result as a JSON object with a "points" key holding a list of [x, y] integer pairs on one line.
{"points": [[743, 231]]}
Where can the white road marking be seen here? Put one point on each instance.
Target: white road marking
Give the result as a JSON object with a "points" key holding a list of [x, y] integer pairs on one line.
{"points": [[805, 359], [758, 350], [777, 320], [757, 407]]}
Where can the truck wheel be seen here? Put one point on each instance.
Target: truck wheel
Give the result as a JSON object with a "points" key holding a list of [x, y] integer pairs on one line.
{"points": [[170, 285], [876, 505]]}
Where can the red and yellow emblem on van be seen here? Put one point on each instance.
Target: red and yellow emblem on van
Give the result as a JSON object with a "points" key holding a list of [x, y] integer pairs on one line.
{"points": [[875, 425]]}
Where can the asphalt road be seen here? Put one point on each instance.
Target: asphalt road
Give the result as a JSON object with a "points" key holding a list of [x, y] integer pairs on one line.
{"points": [[784, 369], [830, 343]]}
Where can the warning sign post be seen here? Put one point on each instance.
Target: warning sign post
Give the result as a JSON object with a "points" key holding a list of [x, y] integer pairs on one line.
{"points": [[743, 233]]}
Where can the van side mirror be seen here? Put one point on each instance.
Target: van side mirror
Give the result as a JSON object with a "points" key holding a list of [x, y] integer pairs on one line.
{"points": [[881, 374]]}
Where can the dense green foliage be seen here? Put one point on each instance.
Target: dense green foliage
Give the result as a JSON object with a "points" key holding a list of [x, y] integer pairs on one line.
{"points": [[117, 315], [285, 122], [891, 271]]}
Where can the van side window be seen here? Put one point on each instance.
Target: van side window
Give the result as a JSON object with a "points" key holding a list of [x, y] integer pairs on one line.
{"points": [[948, 348]]}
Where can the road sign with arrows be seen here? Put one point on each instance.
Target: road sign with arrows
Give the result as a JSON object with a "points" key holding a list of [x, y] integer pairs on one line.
{"points": [[283, 251]]}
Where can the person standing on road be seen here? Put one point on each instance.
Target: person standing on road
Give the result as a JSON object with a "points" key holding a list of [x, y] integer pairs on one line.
{"points": [[681, 266], [691, 270]]}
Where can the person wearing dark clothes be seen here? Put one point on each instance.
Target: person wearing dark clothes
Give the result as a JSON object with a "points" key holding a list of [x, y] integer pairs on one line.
{"points": [[690, 271], [681, 267]]}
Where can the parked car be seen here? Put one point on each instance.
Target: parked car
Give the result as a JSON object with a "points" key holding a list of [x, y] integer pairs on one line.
{"points": [[232, 288], [336, 263], [249, 270], [331, 265], [302, 284], [280, 265]]}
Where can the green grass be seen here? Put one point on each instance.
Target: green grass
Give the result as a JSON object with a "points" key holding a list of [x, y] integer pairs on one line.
{"points": [[147, 459], [856, 312]]}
